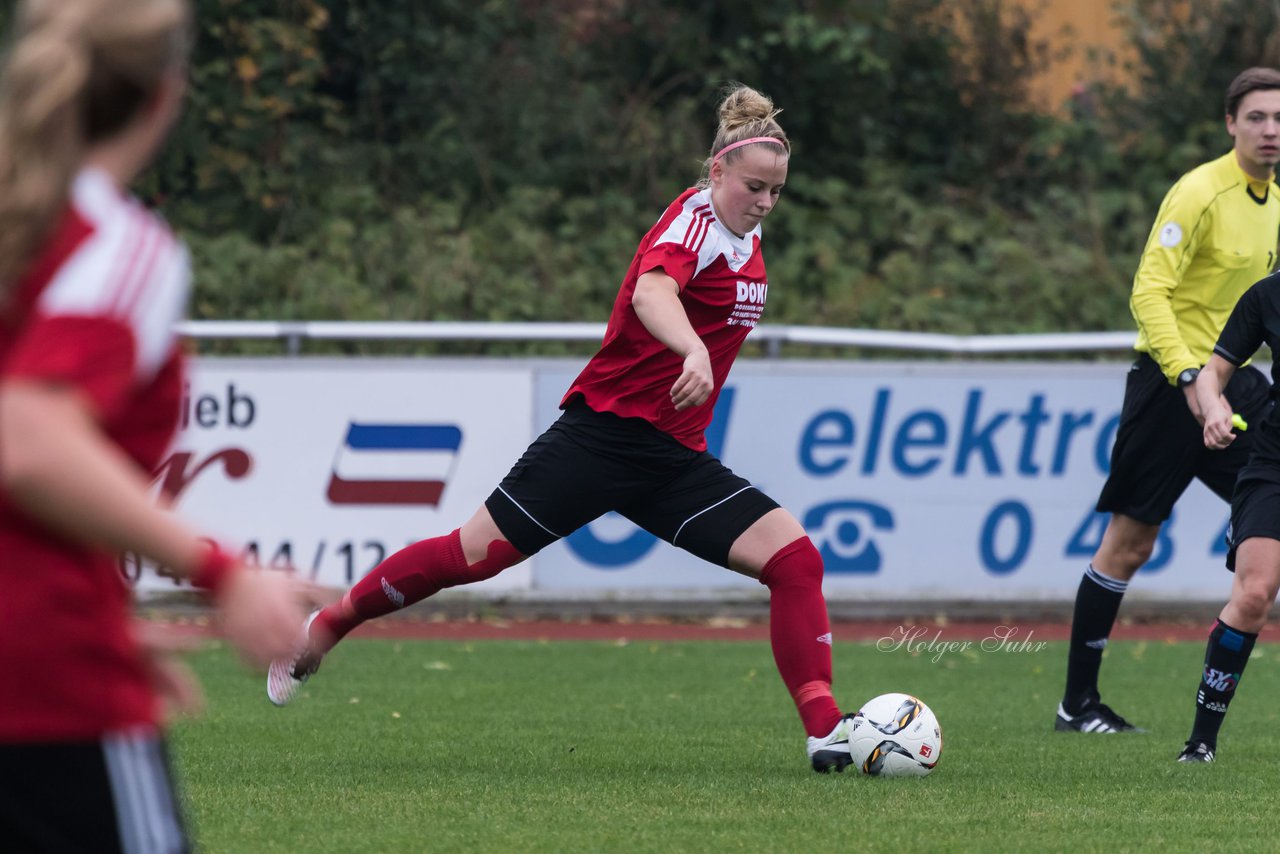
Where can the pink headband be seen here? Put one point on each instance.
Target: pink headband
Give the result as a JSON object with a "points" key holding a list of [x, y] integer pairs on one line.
{"points": [[751, 141]]}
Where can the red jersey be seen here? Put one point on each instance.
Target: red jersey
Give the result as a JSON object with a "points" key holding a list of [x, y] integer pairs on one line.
{"points": [[95, 311], [722, 288]]}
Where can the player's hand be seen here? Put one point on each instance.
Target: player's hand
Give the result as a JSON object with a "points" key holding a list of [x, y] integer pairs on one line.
{"points": [[261, 613], [695, 383], [1217, 426]]}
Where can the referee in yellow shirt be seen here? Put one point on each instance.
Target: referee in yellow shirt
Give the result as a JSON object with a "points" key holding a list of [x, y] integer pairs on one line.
{"points": [[1214, 236]]}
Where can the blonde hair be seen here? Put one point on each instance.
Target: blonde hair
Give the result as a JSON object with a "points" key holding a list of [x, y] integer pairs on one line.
{"points": [[744, 114], [76, 72]]}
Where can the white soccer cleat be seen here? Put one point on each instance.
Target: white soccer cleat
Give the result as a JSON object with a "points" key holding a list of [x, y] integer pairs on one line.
{"points": [[286, 675], [831, 753]]}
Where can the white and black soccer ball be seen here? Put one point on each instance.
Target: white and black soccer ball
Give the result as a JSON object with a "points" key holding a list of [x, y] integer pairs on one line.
{"points": [[895, 735]]}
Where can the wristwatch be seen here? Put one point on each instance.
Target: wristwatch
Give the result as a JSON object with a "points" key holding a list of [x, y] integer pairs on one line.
{"points": [[1187, 377]]}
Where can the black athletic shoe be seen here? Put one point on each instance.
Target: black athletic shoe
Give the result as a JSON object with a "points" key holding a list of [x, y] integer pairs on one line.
{"points": [[1196, 751], [1097, 717]]}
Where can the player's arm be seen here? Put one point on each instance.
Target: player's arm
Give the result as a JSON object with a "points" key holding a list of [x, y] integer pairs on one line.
{"points": [[1172, 245], [656, 301], [1241, 336], [1214, 407], [58, 467]]}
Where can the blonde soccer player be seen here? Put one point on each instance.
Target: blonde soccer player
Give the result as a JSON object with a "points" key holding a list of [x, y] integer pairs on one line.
{"points": [[631, 437]]}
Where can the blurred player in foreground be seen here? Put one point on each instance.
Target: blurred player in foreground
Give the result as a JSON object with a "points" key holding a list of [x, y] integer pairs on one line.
{"points": [[90, 381]]}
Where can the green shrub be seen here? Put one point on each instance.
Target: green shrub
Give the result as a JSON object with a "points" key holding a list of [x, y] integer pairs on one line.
{"points": [[499, 160]]}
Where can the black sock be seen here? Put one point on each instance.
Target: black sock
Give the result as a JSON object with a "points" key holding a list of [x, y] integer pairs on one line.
{"points": [[1097, 603], [1224, 659]]}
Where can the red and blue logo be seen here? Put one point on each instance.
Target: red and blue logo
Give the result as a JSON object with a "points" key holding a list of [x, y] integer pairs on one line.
{"points": [[394, 464]]}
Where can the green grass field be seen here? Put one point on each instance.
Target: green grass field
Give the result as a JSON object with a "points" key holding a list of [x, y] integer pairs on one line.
{"points": [[582, 746]]}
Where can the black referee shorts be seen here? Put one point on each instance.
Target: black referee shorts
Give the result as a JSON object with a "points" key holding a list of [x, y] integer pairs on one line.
{"points": [[113, 795], [1160, 446], [1255, 512], [588, 463]]}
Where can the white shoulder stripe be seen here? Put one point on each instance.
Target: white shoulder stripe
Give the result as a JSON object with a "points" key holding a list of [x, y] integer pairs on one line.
{"points": [[162, 306], [132, 270], [129, 280], [80, 285], [697, 229], [691, 228], [696, 232]]}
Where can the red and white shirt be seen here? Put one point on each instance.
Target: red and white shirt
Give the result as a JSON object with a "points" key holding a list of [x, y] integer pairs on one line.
{"points": [[95, 311], [722, 288]]}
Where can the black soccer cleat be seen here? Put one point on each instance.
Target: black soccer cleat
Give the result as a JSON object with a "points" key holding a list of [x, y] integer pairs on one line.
{"points": [[1096, 717], [1196, 751]]}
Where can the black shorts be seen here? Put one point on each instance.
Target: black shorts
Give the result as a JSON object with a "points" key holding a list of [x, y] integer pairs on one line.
{"points": [[113, 795], [1255, 512], [1160, 446], [588, 463]]}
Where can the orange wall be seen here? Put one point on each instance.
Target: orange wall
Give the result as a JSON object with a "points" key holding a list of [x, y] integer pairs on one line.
{"points": [[1075, 24]]}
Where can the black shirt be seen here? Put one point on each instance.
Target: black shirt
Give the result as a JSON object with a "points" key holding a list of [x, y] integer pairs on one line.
{"points": [[1256, 321]]}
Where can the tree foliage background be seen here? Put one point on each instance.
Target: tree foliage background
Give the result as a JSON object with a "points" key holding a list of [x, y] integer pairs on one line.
{"points": [[499, 159]]}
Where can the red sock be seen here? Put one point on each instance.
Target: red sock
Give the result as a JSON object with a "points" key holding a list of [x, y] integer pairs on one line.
{"points": [[801, 634], [408, 576]]}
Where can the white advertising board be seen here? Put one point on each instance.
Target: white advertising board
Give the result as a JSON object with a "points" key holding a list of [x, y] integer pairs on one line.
{"points": [[957, 481], [923, 480], [329, 465]]}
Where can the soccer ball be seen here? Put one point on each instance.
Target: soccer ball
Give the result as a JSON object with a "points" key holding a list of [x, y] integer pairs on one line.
{"points": [[895, 735]]}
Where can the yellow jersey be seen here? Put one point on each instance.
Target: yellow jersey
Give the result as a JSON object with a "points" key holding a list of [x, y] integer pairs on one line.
{"points": [[1215, 235]]}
